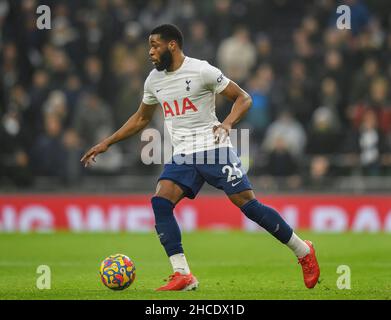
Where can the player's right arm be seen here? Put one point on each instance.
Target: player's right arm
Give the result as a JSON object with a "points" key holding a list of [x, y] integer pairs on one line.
{"points": [[138, 121]]}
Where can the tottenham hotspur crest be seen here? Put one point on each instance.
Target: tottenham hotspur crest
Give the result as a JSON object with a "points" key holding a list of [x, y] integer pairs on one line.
{"points": [[188, 85]]}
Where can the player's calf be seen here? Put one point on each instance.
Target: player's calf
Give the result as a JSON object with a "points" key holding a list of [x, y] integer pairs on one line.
{"points": [[269, 219], [166, 225]]}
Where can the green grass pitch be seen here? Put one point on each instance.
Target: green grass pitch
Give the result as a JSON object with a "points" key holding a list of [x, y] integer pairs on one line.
{"points": [[229, 265]]}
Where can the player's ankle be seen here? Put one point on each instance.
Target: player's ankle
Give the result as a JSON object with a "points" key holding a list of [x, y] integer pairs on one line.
{"points": [[181, 271], [179, 263], [298, 246]]}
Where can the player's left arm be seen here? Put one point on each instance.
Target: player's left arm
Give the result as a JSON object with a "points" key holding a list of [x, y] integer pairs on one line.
{"points": [[242, 103]]}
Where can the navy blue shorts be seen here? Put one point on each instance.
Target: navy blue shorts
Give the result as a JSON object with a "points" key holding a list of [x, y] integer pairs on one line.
{"points": [[220, 168]]}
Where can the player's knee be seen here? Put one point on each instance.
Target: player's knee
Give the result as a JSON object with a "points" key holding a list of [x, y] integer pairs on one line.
{"points": [[168, 190], [242, 198]]}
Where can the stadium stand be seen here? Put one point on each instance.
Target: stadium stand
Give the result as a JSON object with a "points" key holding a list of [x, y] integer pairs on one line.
{"points": [[321, 115]]}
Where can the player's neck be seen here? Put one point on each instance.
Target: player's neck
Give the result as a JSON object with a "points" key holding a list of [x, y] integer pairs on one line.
{"points": [[177, 62]]}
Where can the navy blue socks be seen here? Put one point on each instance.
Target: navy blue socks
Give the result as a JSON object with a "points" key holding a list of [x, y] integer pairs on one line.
{"points": [[170, 235], [269, 219], [166, 225]]}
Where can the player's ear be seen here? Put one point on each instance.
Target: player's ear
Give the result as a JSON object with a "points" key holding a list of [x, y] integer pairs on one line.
{"points": [[171, 45]]}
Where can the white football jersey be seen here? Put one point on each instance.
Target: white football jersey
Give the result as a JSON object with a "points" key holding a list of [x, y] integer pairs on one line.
{"points": [[187, 97]]}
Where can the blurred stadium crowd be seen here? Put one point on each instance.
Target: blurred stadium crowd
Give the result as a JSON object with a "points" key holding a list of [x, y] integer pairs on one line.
{"points": [[321, 98]]}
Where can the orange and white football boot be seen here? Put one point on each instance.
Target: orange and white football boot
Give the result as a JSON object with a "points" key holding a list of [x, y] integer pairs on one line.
{"points": [[310, 266], [180, 282]]}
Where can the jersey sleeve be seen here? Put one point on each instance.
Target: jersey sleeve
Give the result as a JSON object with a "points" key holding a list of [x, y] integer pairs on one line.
{"points": [[213, 78], [149, 97]]}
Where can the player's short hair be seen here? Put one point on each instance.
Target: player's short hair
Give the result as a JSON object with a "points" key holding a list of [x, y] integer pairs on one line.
{"points": [[169, 32]]}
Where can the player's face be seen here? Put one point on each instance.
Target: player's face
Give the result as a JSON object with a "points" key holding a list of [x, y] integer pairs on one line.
{"points": [[159, 52]]}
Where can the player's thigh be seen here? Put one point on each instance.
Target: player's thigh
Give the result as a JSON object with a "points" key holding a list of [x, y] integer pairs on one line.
{"points": [[241, 198], [168, 189]]}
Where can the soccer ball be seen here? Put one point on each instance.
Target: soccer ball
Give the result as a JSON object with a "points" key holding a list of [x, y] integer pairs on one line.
{"points": [[117, 272]]}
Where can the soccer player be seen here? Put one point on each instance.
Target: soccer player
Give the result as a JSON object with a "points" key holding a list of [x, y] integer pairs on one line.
{"points": [[185, 88]]}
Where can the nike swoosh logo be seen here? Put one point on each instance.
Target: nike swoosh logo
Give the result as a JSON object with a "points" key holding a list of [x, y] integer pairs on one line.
{"points": [[235, 184], [159, 90]]}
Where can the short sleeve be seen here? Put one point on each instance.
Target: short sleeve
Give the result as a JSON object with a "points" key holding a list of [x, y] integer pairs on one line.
{"points": [[213, 78], [149, 97]]}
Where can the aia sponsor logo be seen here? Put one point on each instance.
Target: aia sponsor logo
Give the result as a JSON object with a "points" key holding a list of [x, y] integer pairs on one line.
{"points": [[178, 108]]}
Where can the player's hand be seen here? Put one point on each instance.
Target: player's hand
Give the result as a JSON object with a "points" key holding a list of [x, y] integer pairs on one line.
{"points": [[221, 132], [92, 153]]}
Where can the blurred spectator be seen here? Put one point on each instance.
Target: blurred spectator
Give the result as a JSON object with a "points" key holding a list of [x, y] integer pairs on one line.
{"points": [[304, 50], [199, 46], [91, 116], [281, 162], [73, 91], [324, 132], [221, 19], [132, 34], [333, 68], [128, 100], [14, 160], [4, 11], [335, 39], [56, 105], [184, 11], [10, 73], [299, 92], [58, 65], [236, 55], [19, 100], [362, 79], [38, 93], [319, 173], [369, 143], [386, 53], [378, 101], [110, 161], [74, 152], [93, 75], [48, 151], [289, 130], [94, 34], [330, 94], [63, 35], [262, 88], [311, 29], [155, 12], [264, 49]]}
